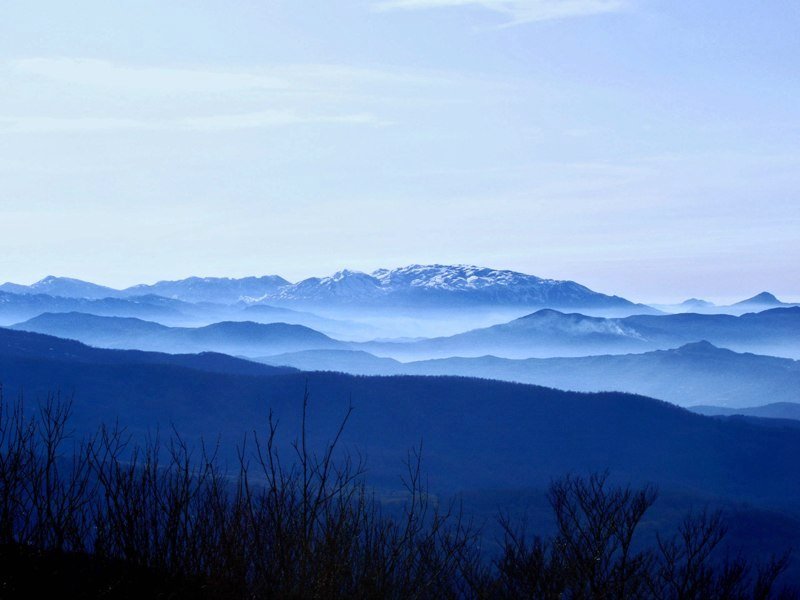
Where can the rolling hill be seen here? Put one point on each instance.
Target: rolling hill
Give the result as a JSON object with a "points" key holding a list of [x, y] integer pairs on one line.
{"points": [[232, 337], [349, 330], [681, 375]]}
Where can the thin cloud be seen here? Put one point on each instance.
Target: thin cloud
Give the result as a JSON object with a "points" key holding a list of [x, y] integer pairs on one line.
{"points": [[202, 99], [213, 123], [275, 118], [162, 80], [517, 11], [41, 124], [121, 97], [171, 80]]}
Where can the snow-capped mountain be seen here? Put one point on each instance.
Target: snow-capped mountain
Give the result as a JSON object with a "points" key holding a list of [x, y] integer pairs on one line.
{"points": [[443, 285], [410, 287]]}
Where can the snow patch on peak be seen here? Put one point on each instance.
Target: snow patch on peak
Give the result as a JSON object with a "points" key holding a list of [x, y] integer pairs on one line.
{"points": [[346, 274], [442, 285], [452, 277]]}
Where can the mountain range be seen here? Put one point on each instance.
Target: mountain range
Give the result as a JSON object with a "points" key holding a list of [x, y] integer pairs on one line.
{"points": [[759, 302], [433, 286], [411, 287], [429, 286], [693, 373], [219, 290], [65, 287], [232, 337], [15, 307], [544, 334], [548, 333]]}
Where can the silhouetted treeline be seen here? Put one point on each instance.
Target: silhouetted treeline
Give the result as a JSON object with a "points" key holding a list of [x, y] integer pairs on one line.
{"points": [[104, 517]]}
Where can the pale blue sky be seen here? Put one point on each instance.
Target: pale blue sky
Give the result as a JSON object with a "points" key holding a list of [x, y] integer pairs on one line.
{"points": [[648, 148]]}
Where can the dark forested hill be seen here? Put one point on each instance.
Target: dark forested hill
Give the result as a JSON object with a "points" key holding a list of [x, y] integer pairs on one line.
{"points": [[476, 433], [18, 346]]}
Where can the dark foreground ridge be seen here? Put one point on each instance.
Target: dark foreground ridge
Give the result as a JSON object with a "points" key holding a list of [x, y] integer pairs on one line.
{"points": [[479, 435], [103, 518], [494, 444]]}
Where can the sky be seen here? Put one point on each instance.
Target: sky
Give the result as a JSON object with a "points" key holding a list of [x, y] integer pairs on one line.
{"points": [[645, 148]]}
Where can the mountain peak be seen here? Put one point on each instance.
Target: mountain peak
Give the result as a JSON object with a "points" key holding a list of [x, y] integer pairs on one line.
{"points": [[764, 298], [702, 346], [696, 303], [57, 279], [345, 273], [69, 287], [543, 313]]}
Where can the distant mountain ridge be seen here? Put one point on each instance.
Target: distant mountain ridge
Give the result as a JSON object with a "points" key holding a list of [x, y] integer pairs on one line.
{"points": [[542, 334], [424, 285], [774, 410], [428, 286], [549, 332], [220, 290], [759, 302], [217, 290], [231, 337], [15, 307], [65, 287], [693, 373]]}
